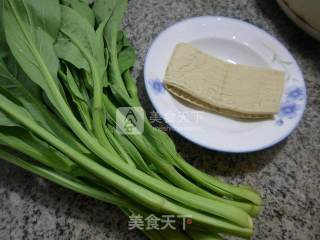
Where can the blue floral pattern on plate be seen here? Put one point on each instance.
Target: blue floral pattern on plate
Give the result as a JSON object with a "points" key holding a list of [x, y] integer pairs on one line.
{"points": [[295, 95], [157, 86], [291, 106]]}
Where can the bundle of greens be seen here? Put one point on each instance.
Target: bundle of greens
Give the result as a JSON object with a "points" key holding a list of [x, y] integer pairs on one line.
{"points": [[64, 71]]}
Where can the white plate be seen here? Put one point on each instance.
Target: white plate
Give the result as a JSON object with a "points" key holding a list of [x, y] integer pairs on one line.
{"points": [[237, 42]]}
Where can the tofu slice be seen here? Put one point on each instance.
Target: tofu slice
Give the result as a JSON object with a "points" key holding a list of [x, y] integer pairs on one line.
{"points": [[231, 89]]}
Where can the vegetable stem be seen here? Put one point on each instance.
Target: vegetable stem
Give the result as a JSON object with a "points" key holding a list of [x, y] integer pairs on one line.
{"points": [[148, 198]]}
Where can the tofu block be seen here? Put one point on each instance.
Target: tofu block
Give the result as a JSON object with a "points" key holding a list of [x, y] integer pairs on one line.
{"points": [[230, 89]]}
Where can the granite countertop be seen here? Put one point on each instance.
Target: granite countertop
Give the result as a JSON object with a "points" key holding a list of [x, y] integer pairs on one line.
{"points": [[287, 175]]}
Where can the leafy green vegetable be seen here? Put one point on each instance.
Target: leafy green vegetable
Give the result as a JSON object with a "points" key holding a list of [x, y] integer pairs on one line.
{"points": [[111, 35], [127, 59], [103, 9], [67, 182], [30, 35], [27, 94], [84, 10], [17, 137], [3, 45], [148, 198], [78, 96]]}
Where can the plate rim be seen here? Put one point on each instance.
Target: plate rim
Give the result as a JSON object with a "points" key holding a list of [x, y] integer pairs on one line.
{"points": [[210, 147], [306, 27]]}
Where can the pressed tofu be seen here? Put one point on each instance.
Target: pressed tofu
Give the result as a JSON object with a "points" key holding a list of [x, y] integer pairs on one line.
{"points": [[230, 89]]}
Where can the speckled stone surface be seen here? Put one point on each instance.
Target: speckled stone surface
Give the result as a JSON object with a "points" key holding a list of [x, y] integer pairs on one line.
{"points": [[287, 175]]}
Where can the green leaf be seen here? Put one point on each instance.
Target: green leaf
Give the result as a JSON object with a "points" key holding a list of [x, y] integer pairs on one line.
{"points": [[1, 20], [15, 136], [3, 44], [80, 45], [21, 140], [159, 139], [44, 14], [26, 96], [84, 10], [122, 41], [68, 2], [83, 106], [134, 153], [67, 181], [126, 52], [73, 86], [67, 51], [30, 32], [118, 146], [25, 92], [126, 41], [114, 24], [6, 120], [103, 9], [90, 44], [131, 87], [127, 59]]}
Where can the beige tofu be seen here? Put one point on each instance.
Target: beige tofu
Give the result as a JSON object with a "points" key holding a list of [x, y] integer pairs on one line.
{"points": [[230, 89]]}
